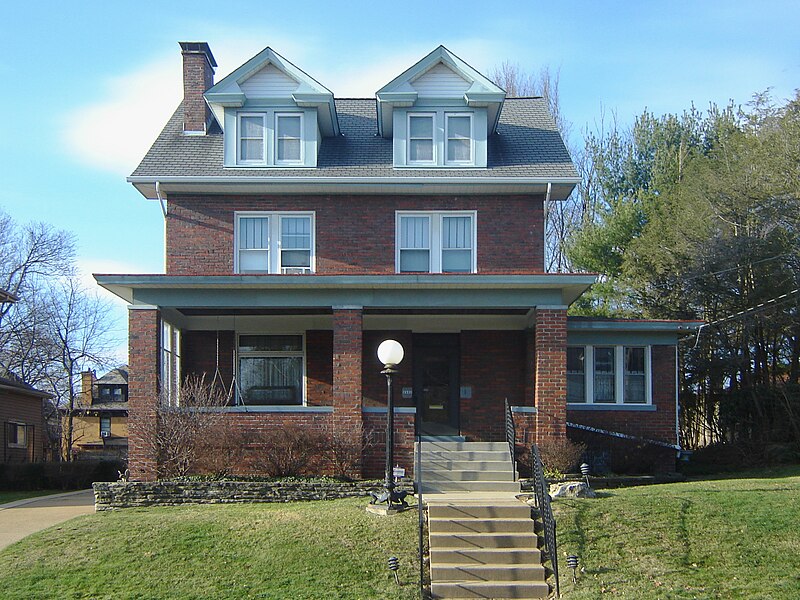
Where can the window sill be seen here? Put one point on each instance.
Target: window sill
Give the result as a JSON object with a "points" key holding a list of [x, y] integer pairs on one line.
{"points": [[524, 409], [613, 407], [279, 409], [398, 410]]}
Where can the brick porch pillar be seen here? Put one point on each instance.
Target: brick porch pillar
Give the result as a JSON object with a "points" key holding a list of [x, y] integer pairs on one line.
{"points": [[347, 353], [550, 366], [143, 333]]}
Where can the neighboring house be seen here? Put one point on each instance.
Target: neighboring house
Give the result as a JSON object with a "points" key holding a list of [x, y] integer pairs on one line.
{"points": [[302, 230], [100, 422]]}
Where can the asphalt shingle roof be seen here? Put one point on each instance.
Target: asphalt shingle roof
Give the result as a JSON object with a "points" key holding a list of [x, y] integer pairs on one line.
{"points": [[526, 144]]}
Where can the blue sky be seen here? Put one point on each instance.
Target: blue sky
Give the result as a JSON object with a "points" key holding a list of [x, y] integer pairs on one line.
{"points": [[88, 85]]}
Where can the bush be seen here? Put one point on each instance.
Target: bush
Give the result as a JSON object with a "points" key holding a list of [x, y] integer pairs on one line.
{"points": [[287, 452], [58, 475], [560, 455]]}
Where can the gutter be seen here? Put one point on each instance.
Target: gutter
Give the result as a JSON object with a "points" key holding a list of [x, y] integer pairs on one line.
{"points": [[351, 180]]}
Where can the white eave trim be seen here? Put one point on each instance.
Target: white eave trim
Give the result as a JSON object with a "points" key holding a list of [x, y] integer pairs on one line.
{"points": [[300, 184]]}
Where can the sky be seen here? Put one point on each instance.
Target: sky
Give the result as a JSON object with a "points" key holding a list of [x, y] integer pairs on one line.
{"points": [[87, 86]]}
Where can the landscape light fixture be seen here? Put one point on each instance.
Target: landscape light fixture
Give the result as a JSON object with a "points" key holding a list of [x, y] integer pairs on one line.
{"points": [[390, 353], [394, 565], [585, 473], [572, 563]]}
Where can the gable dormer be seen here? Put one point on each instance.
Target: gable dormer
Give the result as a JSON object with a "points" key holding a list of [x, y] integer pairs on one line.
{"points": [[439, 113], [272, 114]]}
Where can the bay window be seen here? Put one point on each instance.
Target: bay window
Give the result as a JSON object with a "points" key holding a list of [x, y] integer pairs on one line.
{"points": [[436, 242]]}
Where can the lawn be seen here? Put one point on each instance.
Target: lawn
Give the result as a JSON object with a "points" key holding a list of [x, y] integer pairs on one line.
{"points": [[729, 538], [332, 549], [6, 497]]}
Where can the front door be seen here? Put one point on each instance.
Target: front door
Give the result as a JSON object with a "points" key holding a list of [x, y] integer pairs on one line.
{"points": [[436, 383]]}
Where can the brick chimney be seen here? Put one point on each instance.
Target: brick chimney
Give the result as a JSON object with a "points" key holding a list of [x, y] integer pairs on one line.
{"points": [[87, 383], [198, 76]]}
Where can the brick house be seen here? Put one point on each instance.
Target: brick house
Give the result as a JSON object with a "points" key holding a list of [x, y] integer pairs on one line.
{"points": [[302, 230]]}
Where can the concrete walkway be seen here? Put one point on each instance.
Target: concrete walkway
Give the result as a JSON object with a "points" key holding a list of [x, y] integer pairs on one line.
{"points": [[24, 517]]}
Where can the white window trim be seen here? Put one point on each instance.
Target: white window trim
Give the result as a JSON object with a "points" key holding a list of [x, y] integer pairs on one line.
{"points": [[432, 116], [471, 160], [435, 236], [267, 354], [239, 159], [170, 368], [274, 249], [619, 375], [301, 160]]}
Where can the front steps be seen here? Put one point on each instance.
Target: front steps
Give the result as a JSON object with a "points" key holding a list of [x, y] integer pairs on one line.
{"points": [[482, 540]]}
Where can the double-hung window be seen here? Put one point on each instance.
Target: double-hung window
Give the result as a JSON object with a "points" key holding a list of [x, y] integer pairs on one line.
{"points": [[271, 370], [288, 138], [436, 242], [458, 133], [105, 426], [16, 435], [252, 148], [421, 147], [274, 243], [609, 375], [170, 364]]}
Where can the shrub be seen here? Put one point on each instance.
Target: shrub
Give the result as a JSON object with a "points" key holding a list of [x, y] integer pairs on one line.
{"points": [[288, 451], [560, 455], [342, 451], [58, 475]]}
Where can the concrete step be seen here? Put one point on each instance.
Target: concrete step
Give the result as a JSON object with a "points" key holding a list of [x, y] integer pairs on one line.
{"points": [[453, 573], [518, 510], [491, 589], [460, 446], [483, 540], [486, 556], [442, 438], [464, 455], [434, 487], [445, 464], [434, 475], [481, 525]]}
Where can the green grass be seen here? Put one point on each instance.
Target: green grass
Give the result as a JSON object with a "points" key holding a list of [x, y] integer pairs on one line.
{"points": [[332, 549], [12, 496], [734, 537]]}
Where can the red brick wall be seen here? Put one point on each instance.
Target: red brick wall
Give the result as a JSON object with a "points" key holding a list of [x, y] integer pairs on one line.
{"points": [[354, 234], [373, 382], [21, 408], [198, 76], [375, 442], [143, 330], [492, 363], [550, 366], [347, 354]]}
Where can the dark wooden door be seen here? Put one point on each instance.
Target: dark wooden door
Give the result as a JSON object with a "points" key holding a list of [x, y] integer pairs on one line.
{"points": [[436, 383]]}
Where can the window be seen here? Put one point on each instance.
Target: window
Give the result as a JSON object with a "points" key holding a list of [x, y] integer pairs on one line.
{"points": [[269, 138], [271, 370], [105, 426], [16, 435], [420, 139], [274, 243], [576, 374], [608, 375], [111, 393], [459, 138], [170, 363], [252, 147], [289, 138], [436, 242]]}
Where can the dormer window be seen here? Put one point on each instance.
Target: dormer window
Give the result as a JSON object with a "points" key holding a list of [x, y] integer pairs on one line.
{"points": [[289, 137], [252, 138], [458, 131], [420, 138]]}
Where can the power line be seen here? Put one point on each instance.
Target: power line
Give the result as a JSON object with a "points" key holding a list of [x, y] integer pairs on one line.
{"points": [[720, 272]]}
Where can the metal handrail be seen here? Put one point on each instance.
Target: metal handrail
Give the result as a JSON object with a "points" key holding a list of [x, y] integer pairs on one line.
{"points": [[420, 515], [541, 492], [511, 437]]}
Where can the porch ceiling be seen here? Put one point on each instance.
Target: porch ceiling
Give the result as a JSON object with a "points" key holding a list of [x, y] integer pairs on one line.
{"points": [[427, 292]]}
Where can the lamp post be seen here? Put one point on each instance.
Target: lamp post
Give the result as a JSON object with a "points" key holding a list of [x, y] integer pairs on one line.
{"points": [[390, 353]]}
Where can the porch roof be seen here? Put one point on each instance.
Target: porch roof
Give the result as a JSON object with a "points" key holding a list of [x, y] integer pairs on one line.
{"points": [[367, 291]]}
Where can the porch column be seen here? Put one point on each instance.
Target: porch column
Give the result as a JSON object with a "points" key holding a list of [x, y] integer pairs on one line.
{"points": [[143, 333], [550, 365], [347, 352]]}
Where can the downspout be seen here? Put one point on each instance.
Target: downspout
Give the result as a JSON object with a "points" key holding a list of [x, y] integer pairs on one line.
{"points": [[161, 200]]}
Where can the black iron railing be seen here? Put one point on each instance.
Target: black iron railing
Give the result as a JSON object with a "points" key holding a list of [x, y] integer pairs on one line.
{"points": [[541, 492], [420, 516], [511, 437]]}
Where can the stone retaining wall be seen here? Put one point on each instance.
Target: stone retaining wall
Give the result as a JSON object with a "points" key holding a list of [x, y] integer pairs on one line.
{"points": [[128, 494]]}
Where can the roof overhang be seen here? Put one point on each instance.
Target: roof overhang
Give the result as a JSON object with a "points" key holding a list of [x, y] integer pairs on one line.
{"points": [[367, 291], [586, 330], [25, 391], [560, 188]]}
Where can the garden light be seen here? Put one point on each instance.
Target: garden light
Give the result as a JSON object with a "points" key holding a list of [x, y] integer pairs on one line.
{"points": [[572, 563], [394, 565]]}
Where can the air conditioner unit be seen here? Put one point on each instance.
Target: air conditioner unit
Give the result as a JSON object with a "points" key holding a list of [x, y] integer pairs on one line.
{"points": [[105, 434], [295, 270]]}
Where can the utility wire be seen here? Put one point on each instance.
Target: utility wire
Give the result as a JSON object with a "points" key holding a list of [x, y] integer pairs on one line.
{"points": [[757, 262]]}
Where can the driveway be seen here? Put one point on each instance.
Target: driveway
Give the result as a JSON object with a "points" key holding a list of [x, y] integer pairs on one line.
{"points": [[24, 517]]}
